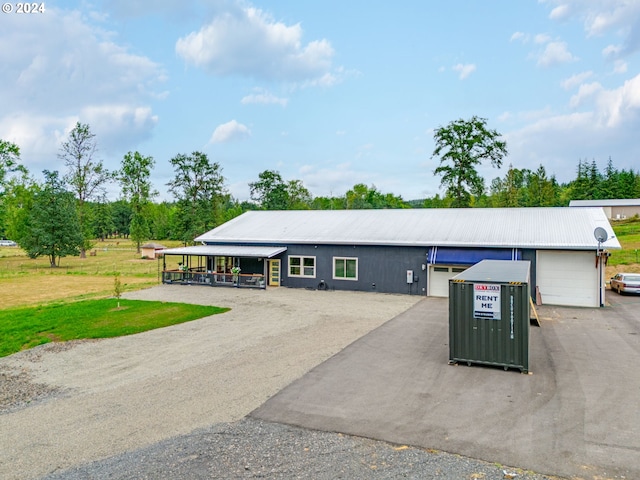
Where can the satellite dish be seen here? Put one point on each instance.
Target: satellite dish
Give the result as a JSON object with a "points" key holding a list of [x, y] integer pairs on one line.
{"points": [[600, 234]]}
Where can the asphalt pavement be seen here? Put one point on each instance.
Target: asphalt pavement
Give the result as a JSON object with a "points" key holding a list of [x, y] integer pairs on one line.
{"points": [[575, 415]]}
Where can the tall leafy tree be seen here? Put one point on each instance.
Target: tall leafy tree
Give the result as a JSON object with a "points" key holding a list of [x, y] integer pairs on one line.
{"points": [[52, 227], [461, 146], [18, 204], [134, 178], [198, 187], [362, 196], [9, 163], [86, 175], [270, 191], [299, 197]]}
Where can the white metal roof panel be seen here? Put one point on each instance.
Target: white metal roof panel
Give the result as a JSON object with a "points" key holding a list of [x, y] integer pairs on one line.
{"points": [[226, 251], [541, 228]]}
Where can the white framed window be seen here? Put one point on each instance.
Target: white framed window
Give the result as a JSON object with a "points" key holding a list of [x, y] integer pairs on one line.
{"points": [[302, 266], [345, 268]]}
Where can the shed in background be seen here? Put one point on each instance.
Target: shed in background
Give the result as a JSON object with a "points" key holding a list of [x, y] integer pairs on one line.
{"points": [[614, 208], [152, 250]]}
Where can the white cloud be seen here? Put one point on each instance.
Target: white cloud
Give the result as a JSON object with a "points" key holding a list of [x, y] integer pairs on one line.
{"points": [[620, 66], [264, 97], [555, 53], [607, 125], [73, 70], [250, 42], [504, 116], [541, 38], [117, 125], [621, 105], [229, 131], [600, 17], [612, 51], [519, 36], [464, 70], [561, 12], [37, 135], [575, 80], [585, 92], [333, 179]]}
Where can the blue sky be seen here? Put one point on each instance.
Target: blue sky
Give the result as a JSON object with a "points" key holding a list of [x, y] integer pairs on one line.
{"points": [[333, 93]]}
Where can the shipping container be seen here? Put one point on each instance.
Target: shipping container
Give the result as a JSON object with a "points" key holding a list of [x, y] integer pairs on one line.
{"points": [[489, 315]]}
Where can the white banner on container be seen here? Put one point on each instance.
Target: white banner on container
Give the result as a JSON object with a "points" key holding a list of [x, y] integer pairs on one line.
{"points": [[486, 301]]}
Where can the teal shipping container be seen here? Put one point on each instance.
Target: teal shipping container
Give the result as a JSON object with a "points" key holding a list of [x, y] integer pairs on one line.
{"points": [[489, 311]]}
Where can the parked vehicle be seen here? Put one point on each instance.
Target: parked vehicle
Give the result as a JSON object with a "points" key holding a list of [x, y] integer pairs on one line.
{"points": [[8, 243], [626, 283]]}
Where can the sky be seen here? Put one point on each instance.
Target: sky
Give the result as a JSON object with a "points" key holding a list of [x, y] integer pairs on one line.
{"points": [[332, 93]]}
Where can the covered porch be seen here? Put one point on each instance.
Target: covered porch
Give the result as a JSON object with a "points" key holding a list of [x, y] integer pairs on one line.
{"points": [[220, 265]]}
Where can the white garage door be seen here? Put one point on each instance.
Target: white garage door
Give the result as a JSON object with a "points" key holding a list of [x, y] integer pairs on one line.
{"points": [[439, 276], [567, 278]]}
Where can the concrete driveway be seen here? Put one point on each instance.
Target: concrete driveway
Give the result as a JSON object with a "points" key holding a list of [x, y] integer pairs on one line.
{"points": [[575, 415]]}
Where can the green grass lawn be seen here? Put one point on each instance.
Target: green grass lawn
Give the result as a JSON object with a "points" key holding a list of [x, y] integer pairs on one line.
{"points": [[26, 327], [628, 233]]}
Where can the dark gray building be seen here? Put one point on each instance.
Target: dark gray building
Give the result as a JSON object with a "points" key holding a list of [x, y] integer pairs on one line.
{"points": [[413, 251]]}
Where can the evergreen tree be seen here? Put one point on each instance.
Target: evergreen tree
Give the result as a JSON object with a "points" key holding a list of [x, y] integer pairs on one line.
{"points": [[102, 217], [52, 227], [121, 217]]}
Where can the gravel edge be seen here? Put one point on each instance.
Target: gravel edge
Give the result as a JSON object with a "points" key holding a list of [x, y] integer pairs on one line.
{"points": [[253, 448]]}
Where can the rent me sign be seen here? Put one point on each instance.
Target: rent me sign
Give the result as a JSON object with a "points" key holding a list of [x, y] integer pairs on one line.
{"points": [[486, 301]]}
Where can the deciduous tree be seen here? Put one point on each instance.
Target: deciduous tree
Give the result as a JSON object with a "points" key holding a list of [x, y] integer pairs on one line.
{"points": [[461, 146], [134, 178], [272, 192], [9, 163], [199, 189], [86, 176]]}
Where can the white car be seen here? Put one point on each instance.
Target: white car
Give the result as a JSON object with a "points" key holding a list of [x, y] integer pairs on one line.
{"points": [[8, 243], [626, 283]]}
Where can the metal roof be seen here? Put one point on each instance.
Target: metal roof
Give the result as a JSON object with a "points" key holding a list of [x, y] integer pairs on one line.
{"points": [[618, 202], [497, 271], [226, 251], [540, 228]]}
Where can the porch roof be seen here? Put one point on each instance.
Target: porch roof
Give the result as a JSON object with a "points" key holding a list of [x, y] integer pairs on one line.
{"points": [[226, 251]]}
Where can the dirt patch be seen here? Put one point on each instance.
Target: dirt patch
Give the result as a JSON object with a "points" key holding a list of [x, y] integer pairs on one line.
{"points": [[37, 289]]}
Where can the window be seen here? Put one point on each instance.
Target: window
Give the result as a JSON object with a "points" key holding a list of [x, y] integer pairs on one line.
{"points": [[302, 267], [345, 268]]}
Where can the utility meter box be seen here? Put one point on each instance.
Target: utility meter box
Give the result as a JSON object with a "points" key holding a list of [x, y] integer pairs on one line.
{"points": [[489, 315]]}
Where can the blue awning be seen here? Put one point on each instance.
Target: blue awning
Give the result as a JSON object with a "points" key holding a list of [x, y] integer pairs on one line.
{"points": [[470, 256]]}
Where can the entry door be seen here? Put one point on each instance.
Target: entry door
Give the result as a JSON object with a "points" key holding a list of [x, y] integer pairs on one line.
{"points": [[274, 273]]}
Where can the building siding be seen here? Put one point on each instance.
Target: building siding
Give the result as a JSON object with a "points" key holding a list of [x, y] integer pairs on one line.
{"points": [[380, 269]]}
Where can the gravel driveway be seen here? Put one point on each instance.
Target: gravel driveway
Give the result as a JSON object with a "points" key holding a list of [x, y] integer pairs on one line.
{"points": [[96, 399], [173, 403]]}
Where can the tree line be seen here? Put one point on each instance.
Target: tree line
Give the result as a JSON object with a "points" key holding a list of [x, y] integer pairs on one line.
{"points": [[63, 214]]}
